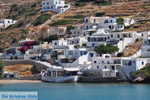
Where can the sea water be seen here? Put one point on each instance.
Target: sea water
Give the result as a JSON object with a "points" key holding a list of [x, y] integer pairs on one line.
{"points": [[78, 91]]}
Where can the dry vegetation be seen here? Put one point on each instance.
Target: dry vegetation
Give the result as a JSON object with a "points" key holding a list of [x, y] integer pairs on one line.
{"points": [[20, 69], [132, 48]]}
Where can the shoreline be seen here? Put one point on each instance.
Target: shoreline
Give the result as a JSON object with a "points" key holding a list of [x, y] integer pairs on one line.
{"points": [[4, 81]]}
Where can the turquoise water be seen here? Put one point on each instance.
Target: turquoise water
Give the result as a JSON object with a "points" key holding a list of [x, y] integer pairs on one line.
{"points": [[64, 91]]}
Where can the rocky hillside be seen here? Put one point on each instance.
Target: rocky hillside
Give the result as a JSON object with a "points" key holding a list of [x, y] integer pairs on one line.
{"points": [[30, 19], [143, 75]]}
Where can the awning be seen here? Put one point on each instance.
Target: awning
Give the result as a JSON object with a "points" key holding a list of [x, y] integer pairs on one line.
{"points": [[71, 69]]}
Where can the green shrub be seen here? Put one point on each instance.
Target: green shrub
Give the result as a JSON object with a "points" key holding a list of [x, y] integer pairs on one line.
{"points": [[20, 24], [102, 49], [145, 5], [27, 12], [143, 72], [1, 69], [127, 27], [61, 22], [15, 40], [99, 14], [76, 46], [102, 2], [24, 31], [80, 4], [33, 5], [41, 19], [84, 45], [51, 38], [120, 54], [78, 17], [120, 21], [14, 7], [137, 40], [69, 28]]}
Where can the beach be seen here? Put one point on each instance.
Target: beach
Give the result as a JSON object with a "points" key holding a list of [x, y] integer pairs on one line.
{"points": [[18, 81]]}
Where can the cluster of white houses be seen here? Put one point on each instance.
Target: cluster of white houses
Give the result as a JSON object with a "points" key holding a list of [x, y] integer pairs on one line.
{"points": [[75, 55]]}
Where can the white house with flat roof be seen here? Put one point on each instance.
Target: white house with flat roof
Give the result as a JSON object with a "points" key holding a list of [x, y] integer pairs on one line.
{"points": [[145, 50], [58, 43], [57, 6], [77, 41], [79, 30], [110, 23], [57, 31], [6, 22], [108, 66], [73, 57], [128, 21]]}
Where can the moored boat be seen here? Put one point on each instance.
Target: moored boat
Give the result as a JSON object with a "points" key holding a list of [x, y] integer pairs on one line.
{"points": [[59, 74]]}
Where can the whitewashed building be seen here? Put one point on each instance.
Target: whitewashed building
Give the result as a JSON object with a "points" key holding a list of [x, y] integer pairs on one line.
{"points": [[57, 6], [73, 58], [58, 43], [6, 22], [110, 24], [145, 50], [77, 41], [117, 67], [129, 21], [57, 31]]}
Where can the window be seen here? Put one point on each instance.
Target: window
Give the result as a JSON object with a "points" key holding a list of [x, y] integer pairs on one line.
{"points": [[81, 53], [55, 43], [86, 20], [94, 61], [142, 63], [56, 3], [87, 27], [85, 52], [107, 62], [93, 44], [106, 21], [43, 3], [94, 20], [51, 7], [91, 54], [113, 67], [111, 36], [47, 3], [97, 67], [105, 67], [109, 27], [102, 61], [70, 52]]}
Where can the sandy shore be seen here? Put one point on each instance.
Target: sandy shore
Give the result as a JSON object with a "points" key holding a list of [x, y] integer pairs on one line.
{"points": [[18, 81]]}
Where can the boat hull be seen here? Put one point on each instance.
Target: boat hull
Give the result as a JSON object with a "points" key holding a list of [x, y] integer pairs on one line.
{"points": [[60, 79]]}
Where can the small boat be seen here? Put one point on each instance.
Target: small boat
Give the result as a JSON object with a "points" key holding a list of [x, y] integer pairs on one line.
{"points": [[60, 75]]}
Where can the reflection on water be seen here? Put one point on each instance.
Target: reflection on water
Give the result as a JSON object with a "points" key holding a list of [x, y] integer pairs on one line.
{"points": [[77, 91]]}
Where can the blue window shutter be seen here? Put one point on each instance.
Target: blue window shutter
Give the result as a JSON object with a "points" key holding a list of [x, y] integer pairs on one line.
{"points": [[93, 44]]}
